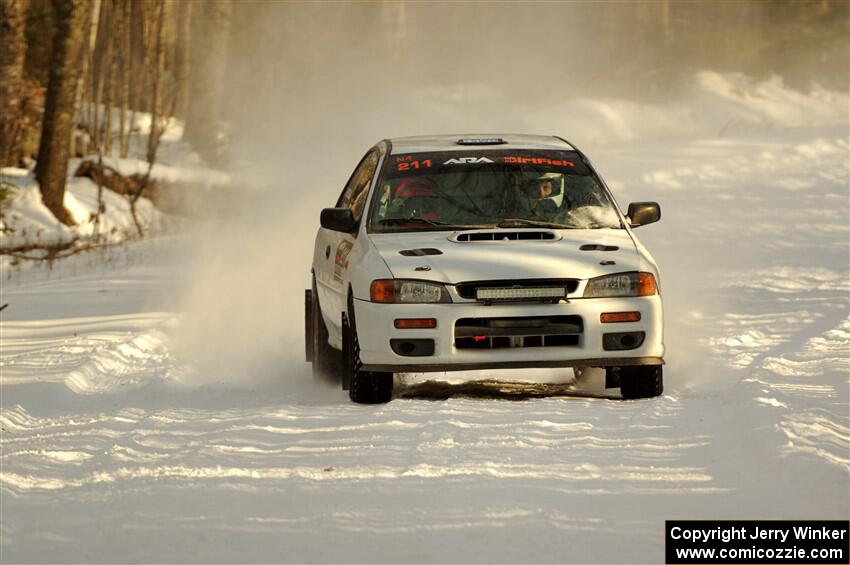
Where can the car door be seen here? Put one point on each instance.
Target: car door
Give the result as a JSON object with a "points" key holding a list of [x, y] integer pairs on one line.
{"points": [[335, 248]]}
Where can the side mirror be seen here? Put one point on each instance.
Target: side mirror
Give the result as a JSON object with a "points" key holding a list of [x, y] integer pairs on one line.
{"points": [[642, 213], [338, 219]]}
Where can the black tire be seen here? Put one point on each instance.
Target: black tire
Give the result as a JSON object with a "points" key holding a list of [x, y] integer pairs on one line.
{"points": [[364, 387], [325, 359], [308, 325], [644, 381]]}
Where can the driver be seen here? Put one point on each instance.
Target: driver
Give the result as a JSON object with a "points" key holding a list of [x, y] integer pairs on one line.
{"points": [[545, 187], [542, 190], [417, 198]]}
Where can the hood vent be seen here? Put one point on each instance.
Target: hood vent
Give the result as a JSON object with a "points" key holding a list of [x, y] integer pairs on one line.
{"points": [[598, 247], [420, 252], [505, 235]]}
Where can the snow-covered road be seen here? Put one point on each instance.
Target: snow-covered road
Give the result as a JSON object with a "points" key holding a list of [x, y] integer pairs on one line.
{"points": [[113, 452]]}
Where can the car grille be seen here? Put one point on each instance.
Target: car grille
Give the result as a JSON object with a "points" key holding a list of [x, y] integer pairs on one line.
{"points": [[528, 331], [468, 289]]}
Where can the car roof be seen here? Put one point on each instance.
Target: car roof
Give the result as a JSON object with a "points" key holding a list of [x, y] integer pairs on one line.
{"points": [[423, 143]]}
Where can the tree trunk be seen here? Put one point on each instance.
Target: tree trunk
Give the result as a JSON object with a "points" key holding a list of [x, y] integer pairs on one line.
{"points": [[182, 58], [141, 90], [124, 55], [12, 50], [108, 79], [83, 82], [210, 34], [136, 65], [160, 40], [98, 77], [68, 48], [108, 102]]}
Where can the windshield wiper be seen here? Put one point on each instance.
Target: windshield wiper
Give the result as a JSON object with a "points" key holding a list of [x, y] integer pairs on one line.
{"points": [[401, 221], [522, 223], [394, 221]]}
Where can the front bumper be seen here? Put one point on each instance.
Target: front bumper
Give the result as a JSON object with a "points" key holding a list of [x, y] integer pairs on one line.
{"points": [[375, 330]]}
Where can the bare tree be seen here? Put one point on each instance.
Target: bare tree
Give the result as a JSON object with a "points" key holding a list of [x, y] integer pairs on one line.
{"points": [[210, 34], [108, 79], [12, 50], [72, 19], [82, 83], [182, 57], [163, 39], [99, 67], [124, 56]]}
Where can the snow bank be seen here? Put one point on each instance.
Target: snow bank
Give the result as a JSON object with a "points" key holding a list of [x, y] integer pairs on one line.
{"points": [[192, 170], [713, 105], [27, 221]]}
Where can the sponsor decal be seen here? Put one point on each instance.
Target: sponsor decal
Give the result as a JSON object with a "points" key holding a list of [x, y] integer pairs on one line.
{"points": [[526, 160], [514, 160], [341, 259], [468, 161]]}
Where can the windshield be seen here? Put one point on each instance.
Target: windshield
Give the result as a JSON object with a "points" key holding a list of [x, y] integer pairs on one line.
{"points": [[481, 189]]}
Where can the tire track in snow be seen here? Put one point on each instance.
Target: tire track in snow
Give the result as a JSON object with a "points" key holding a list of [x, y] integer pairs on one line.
{"points": [[180, 445], [103, 353]]}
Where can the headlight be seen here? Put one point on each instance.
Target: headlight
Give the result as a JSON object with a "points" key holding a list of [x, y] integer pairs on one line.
{"points": [[396, 291], [621, 284]]}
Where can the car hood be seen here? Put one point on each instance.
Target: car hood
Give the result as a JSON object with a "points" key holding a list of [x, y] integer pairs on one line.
{"points": [[611, 251]]}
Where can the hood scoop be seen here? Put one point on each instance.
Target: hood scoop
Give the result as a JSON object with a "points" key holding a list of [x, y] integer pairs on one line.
{"points": [[420, 252], [505, 235], [598, 247]]}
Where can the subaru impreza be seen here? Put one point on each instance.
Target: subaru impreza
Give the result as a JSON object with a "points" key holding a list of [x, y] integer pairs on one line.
{"points": [[468, 252]]}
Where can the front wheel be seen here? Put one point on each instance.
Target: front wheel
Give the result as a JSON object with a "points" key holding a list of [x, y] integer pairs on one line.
{"points": [[643, 381], [364, 387]]}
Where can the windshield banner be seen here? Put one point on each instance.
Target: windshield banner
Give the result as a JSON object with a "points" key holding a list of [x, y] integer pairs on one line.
{"points": [[415, 164]]}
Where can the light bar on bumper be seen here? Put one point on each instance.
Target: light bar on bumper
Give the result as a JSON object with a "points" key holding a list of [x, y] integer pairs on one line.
{"points": [[621, 284], [533, 293], [399, 291]]}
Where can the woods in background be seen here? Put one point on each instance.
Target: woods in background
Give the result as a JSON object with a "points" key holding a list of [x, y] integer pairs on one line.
{"points": [[77, 75]]}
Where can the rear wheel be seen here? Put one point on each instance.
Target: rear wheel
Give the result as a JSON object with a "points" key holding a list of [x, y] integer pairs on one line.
{"points": [[643, 381], [364, 387], [325, 359]]}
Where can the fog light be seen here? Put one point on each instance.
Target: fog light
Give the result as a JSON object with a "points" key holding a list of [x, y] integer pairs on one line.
{"points": [[415, 323], [612, 317], [412, 347], [622, 341]]}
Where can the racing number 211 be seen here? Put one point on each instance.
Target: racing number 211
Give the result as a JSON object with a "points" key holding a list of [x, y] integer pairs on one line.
{"points": [[426, 164]]}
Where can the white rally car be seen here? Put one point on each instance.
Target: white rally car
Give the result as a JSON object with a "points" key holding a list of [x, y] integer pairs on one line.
{"points": [[448, 253]]}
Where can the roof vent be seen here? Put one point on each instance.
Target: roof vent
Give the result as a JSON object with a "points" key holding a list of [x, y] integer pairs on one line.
{"points": [[481, 141]]}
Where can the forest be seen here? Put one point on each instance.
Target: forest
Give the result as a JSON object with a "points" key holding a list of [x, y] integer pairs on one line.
{"points": [[77, 72]]}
